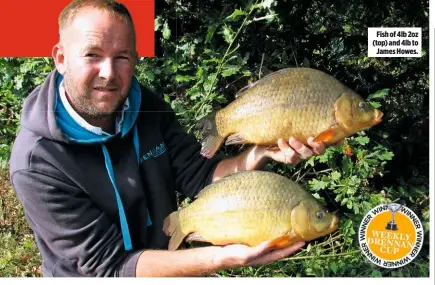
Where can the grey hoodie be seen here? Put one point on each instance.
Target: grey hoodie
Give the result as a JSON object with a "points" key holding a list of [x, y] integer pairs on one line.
{"points": [[94, 203]]}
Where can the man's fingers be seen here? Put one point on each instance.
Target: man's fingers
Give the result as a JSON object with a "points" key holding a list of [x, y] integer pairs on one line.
{"points": [[300, 148], [317, 147], [289, 155], [285, 148], [294, 151]]}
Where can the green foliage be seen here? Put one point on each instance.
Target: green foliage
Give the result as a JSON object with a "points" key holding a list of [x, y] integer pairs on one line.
{"points": [[347, 175], [19, 256], [208, 50], [221, 47], [195, 63], [18, 76]]}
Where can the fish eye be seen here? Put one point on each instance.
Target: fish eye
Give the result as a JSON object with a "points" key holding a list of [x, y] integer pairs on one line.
{"points": [[319, 215], [362, 105]]}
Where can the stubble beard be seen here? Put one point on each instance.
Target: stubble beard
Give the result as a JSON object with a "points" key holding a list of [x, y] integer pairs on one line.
{"points": [[82, 103]]}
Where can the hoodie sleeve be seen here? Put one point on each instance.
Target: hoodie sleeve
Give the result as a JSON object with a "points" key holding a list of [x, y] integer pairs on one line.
{"points": [[192, 171], [80, 238]]}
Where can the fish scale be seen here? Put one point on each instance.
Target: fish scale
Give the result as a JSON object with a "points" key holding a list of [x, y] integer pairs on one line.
{"points": [[309, 113], [298, 102], [247, 207]]}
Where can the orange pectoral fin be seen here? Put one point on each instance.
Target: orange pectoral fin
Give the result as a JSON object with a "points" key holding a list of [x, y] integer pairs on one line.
{"points": [[325, 136], [331, 135], [281, 242], [286, 240]]}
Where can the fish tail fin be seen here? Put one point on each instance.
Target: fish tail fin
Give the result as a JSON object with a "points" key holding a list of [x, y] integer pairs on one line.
{"points": [[171, 227], [211, 139]]}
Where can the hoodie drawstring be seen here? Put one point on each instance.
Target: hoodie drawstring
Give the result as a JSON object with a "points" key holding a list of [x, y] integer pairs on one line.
{"points": [[136, 143], [122, 217]]}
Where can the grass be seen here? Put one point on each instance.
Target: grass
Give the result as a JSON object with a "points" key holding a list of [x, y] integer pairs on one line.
{"points": [[19, 256]]}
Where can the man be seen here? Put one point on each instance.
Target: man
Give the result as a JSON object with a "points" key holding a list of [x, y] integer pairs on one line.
{"points": [[99, 157]]}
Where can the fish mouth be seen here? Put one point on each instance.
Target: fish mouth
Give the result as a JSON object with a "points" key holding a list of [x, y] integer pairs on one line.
{"points": [[334, 224], [378, 116]]}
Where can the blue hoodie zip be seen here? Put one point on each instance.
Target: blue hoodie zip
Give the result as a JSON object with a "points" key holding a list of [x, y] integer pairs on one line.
{"points": [[77, 133]]}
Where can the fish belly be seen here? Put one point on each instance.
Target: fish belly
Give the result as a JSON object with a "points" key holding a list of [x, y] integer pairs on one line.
{"points": [[264, 124], [250, 227]]}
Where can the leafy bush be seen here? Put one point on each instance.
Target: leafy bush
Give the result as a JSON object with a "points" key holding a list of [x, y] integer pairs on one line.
{"points": [[19, 255], [207, 51], [18, 76]]}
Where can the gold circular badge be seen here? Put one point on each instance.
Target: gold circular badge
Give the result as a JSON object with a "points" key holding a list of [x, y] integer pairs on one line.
{"points": [[391, 235]]}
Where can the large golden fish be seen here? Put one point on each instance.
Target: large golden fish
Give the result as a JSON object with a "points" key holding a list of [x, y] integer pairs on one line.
{"points": [[298, 102], [249, 208]]}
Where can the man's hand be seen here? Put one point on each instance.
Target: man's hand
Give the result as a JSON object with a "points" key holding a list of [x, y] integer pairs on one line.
{"points": [[257, 156], [203, 261], [238, 255], [294, 151]]}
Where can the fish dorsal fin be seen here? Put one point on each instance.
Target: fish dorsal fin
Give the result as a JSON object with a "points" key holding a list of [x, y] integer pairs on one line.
{"points": [[229, 176], [242, 91]]}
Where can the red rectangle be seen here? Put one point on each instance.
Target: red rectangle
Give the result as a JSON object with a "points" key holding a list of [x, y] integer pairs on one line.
{"points": [[29, 28]]}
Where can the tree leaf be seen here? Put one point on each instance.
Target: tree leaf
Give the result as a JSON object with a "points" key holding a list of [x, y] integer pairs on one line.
{"points": [[388, 155], [335, 175], [317, 185], [362, 140], [157, 23], [228, 34], [237, 13], [210, 32], [375, 104], [266, 3], [184, 78], [166, 31], [378, 94], [230, 70]]}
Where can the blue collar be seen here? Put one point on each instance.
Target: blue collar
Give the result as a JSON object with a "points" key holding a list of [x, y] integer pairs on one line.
{"points": [[77, 133]]}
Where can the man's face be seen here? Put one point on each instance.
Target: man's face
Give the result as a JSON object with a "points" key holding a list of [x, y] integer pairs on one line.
{"points": [[98, 62]]}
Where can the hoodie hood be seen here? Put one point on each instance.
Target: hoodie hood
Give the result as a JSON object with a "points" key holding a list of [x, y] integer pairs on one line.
{"points": [[38, 114]]}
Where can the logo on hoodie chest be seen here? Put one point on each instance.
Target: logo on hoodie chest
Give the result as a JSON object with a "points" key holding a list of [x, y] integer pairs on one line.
{"points": [[156, 151]]}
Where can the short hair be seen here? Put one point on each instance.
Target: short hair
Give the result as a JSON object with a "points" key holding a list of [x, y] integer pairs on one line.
{"points": [[113, 7]]}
